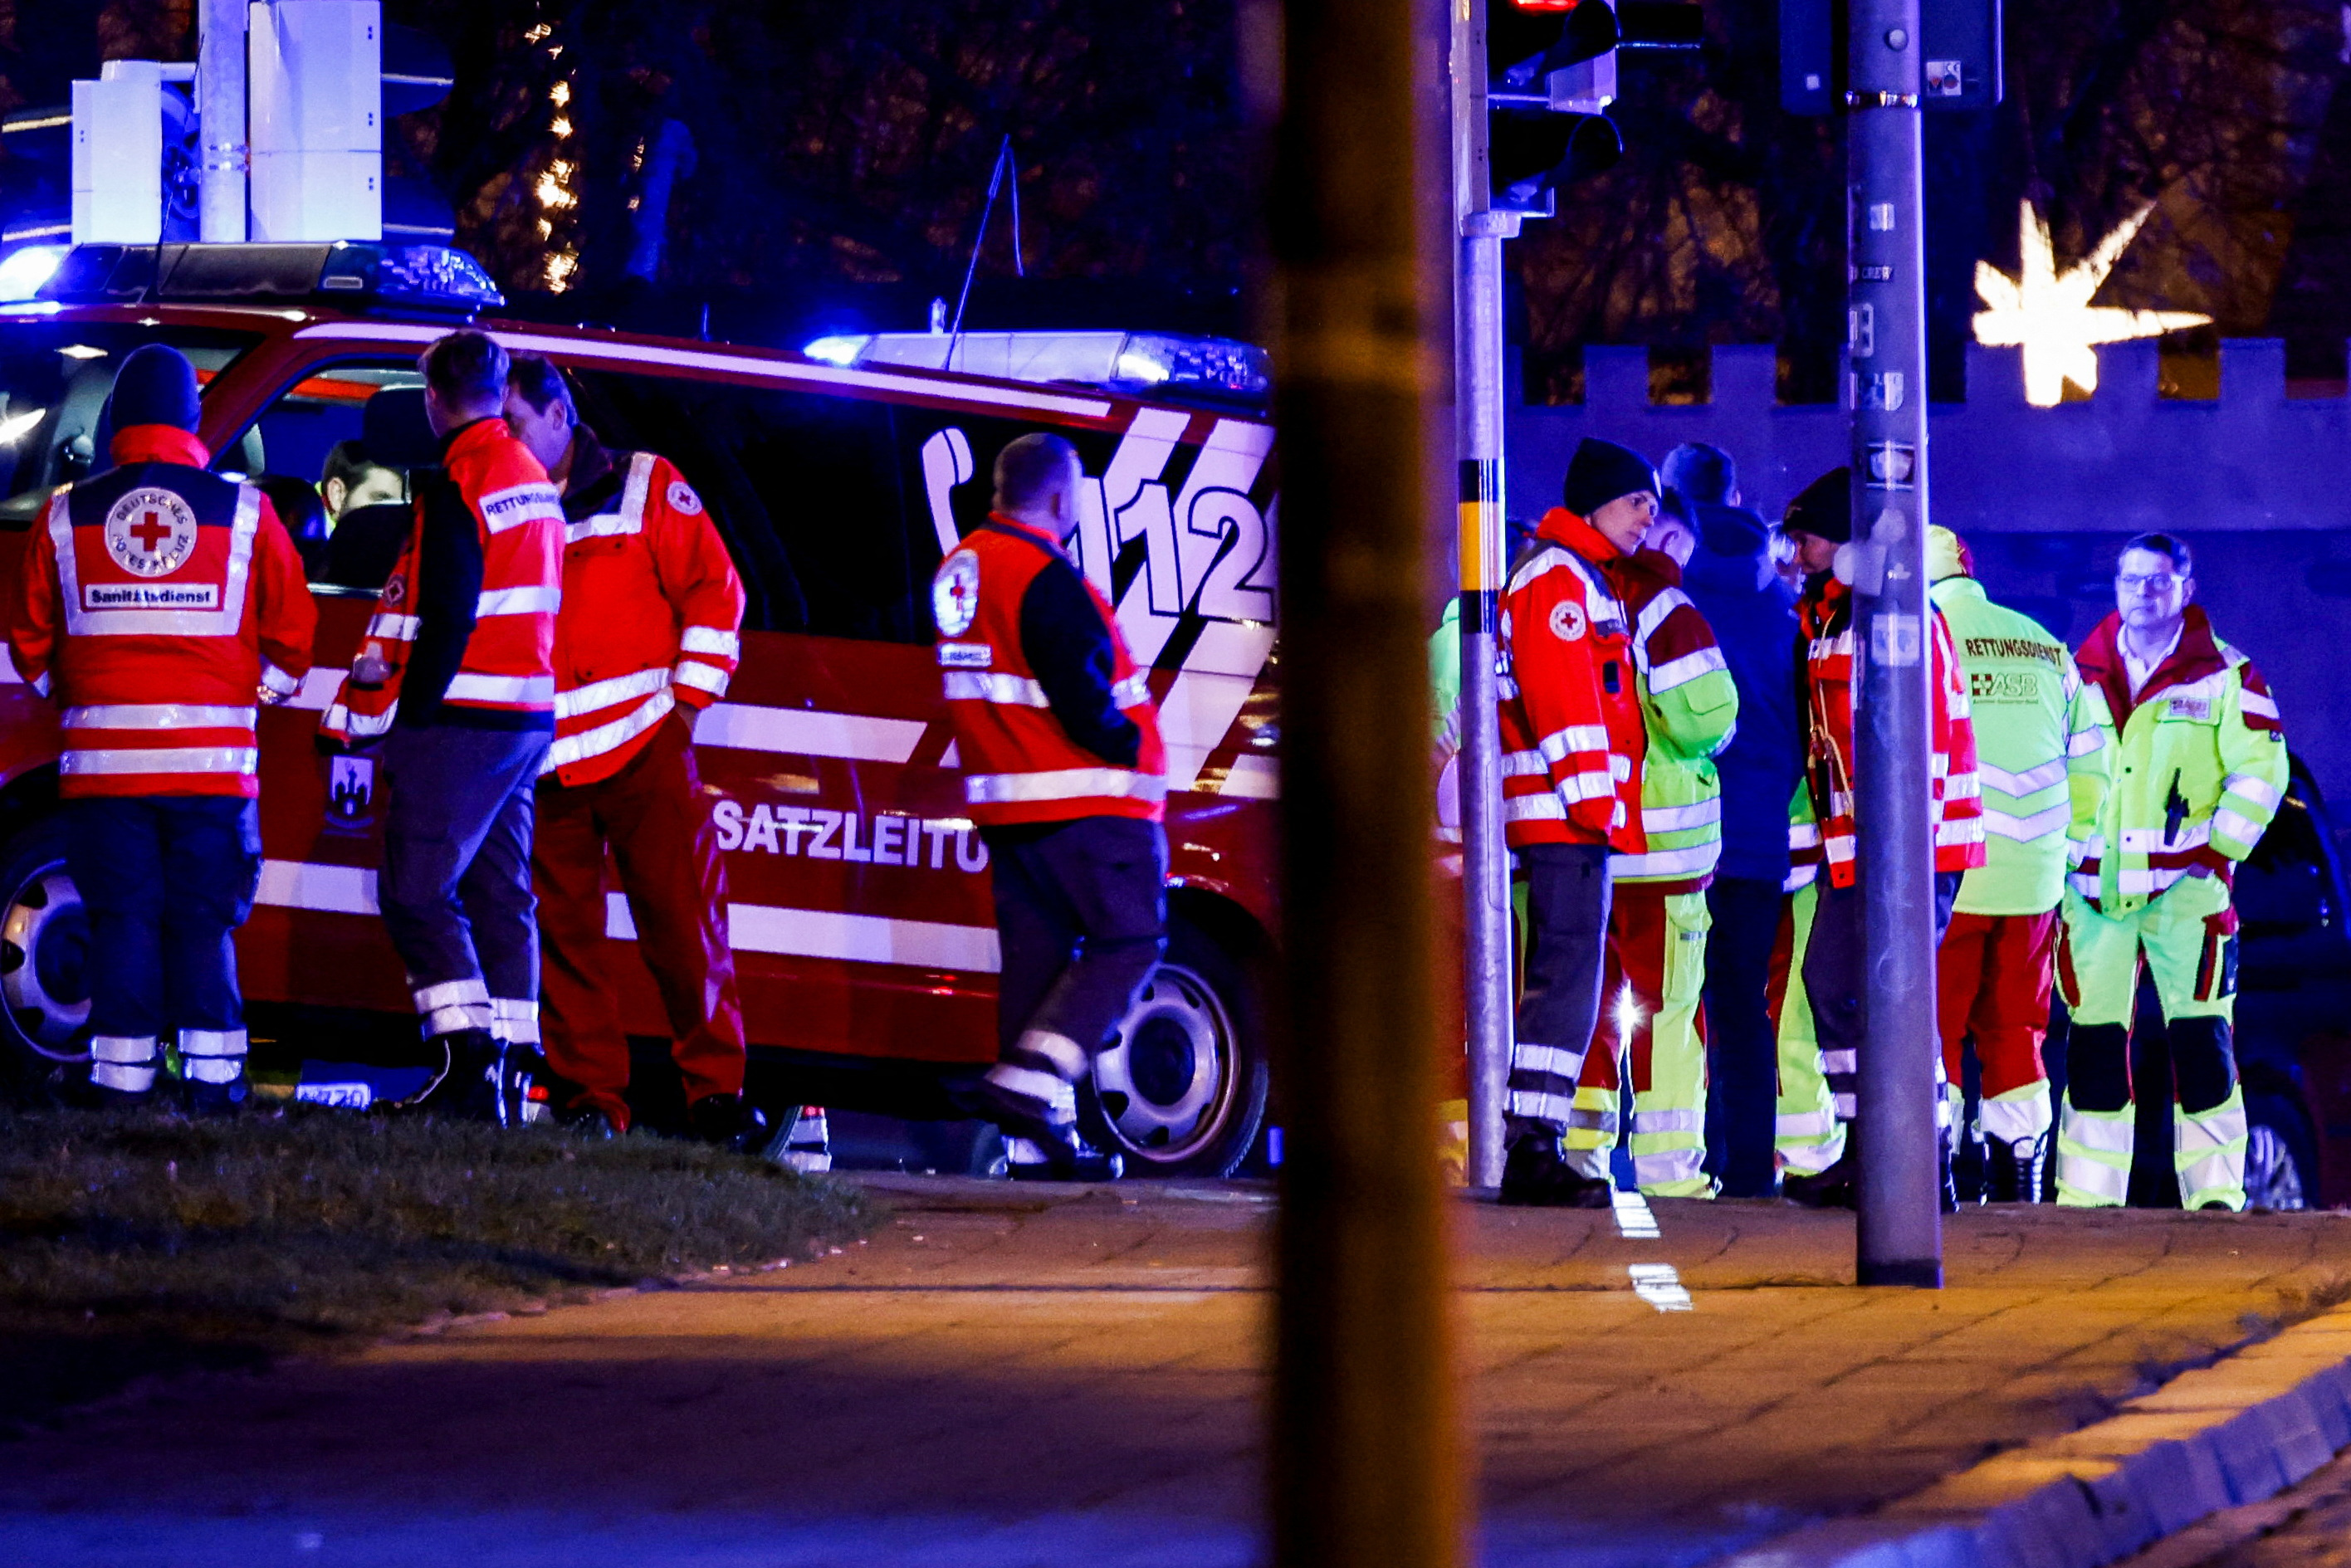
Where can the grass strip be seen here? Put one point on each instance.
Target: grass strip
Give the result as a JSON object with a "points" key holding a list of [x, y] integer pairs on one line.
{"points": [[140, 1243]]}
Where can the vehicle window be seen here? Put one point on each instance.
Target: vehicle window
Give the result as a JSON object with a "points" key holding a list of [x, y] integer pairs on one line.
{"points": [[804, 487], [54, 379], [295, 432]]}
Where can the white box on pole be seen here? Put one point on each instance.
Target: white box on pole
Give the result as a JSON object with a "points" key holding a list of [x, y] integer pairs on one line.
{"points": [[117, 155], [316, 116]]}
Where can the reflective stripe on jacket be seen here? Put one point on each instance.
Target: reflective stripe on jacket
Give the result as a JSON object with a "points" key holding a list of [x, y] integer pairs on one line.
{"points": [[2200, 766], [504, 674], [2041, 751], [1572, 731], [155, 605], [1956, 813], [653, 610], [1690, 706], [1053, 721]]}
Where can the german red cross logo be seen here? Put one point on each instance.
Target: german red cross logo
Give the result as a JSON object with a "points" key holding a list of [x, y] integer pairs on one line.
{"points": [[955, 593], [150, 532]]}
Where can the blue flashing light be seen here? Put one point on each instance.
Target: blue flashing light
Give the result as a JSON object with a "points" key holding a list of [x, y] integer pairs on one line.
{"points": [[841, 349], [22, 272]]}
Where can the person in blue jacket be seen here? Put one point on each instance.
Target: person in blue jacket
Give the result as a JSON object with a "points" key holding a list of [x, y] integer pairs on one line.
{"points": [[1732, 579]]}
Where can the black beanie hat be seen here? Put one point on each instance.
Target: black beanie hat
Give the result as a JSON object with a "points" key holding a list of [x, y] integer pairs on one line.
{"points": [[1600, 472], [156, 385], [1824, 508]]}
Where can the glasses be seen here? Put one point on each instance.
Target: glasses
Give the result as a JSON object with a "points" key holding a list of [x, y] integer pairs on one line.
{"points": [[2131, 583]]}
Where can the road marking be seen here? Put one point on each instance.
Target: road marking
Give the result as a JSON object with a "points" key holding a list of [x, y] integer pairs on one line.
{"points": [[1659, 1284]]}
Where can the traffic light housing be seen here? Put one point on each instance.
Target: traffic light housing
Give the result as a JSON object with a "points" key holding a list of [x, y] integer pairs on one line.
{"points": [[1550, 69]]}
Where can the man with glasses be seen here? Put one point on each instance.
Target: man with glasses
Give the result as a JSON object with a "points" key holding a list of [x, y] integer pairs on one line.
{"points": [[2198, 768]]}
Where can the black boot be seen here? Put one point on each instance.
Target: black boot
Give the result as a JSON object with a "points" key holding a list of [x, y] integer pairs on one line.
{"points": [[1951, 1186], [2013, 1171], [727, 1120], [466, 1080], [1038, 1147], [1535, 1175], [1835, 1187]]}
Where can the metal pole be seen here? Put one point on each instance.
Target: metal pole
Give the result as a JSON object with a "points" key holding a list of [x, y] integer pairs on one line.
{"points": [[1365, 1456], [220, 121], [1487, 971], [1900, 1233]]}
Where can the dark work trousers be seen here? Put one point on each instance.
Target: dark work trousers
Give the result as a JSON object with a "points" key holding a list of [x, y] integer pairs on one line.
{"points": [[1081, 916], [166, 881], [1566, 952], [1835, 964], [1741, 1109], [456, 888], [656, 820]]}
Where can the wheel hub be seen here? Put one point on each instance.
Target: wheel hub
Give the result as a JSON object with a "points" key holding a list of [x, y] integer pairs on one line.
{"points": [[1166, 1084]]}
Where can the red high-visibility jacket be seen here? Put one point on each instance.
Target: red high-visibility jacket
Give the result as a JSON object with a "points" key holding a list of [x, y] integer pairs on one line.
{"points": [[652, 611], [155, 606], [1825, 613], [506, 677], [1052, 719], [1572, 737]]}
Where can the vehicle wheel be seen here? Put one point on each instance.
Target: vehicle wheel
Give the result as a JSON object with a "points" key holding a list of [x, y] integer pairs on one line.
{"points": [[2281, 1165], [43, 951], [1182, 1090]]}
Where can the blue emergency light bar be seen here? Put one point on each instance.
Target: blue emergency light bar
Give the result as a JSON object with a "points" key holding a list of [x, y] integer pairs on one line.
{"points": [[420, 279], [1151, 364]]}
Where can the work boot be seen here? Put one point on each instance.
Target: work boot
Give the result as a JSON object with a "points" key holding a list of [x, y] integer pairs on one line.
{"points": [[1835, 1187], [523, 1086], [1066, 1158], [2012, 1171], [728, 1122], [590, 1121], [217, 1099], [466, 1080], [1950, 1184], [1536, 1176]]}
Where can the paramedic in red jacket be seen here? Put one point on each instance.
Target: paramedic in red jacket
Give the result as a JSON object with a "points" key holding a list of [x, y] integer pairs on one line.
{"points": [[455, 676], [1572, 742], [159, 605], [1065, 777], [1819, 521], [648, 637]]}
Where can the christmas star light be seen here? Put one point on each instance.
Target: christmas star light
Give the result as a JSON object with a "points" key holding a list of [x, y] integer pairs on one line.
{"points": [[2048, 314]]}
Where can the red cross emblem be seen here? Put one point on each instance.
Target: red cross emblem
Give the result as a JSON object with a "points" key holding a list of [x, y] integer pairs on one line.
{"points": [[151, 530]]}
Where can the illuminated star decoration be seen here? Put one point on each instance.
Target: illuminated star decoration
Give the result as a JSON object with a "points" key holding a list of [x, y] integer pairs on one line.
{"points": [[2048, 314]]}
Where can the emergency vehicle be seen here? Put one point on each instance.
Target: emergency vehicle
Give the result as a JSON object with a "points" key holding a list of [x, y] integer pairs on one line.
{"points": [[861, 914]]}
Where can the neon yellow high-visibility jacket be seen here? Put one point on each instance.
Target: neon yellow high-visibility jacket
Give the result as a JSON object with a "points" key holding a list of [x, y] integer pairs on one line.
{"points": [[2041, 751], [2200, 765], [1690, 706]]}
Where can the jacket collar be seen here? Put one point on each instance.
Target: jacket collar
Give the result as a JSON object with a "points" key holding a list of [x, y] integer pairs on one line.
{"points": [[1958, 587], [1826, 606], [158, 444], [1029, 531], [1642, 575], [1561, 527], [474, 435], [592, 462], [2101, 660]]}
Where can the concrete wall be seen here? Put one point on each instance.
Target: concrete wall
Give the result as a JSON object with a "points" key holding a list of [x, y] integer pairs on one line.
{"points": [[2260, 484]]}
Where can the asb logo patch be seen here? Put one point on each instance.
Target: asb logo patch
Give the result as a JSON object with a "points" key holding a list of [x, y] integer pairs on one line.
{"points": [[150, 532], [955, 593], [1567, 621], [682, 499]]}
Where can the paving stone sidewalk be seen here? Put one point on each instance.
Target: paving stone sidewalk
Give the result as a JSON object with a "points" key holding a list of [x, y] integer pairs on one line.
{"points": [[1024, 1376]]}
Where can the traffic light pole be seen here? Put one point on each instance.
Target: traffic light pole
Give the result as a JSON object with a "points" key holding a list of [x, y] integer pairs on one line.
{"points": [[220, 121], [1487, 973], [1900, 1239]]}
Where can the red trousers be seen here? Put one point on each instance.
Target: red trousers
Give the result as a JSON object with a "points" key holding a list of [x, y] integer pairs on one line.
{"points": [[1992, 980], [653, 816]]}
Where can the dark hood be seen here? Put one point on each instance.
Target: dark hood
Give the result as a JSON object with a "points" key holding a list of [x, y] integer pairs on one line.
{"points": [[1733, 554]]}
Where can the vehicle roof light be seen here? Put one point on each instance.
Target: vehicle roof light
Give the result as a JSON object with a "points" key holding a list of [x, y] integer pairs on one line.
{"points": [[426, 279], [22, 272], [841, 349], [1159, 364]]}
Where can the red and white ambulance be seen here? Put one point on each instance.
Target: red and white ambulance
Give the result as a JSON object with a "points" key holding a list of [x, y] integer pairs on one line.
{"points": [[860, 914]]}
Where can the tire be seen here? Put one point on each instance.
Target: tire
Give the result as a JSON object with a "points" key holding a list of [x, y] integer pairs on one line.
{"points": [[44, 949], [2281, 1158], [1182, 1090]]}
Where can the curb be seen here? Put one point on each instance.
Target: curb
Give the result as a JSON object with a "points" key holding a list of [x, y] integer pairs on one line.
{"points": [[2236, 1432]]}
